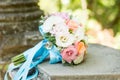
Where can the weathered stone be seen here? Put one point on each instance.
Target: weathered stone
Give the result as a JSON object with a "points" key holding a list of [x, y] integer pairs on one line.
{"points": [[21, 9], [19, 21], [18, 27], [9, 3], [12, 45], [19, 16], [102, 63], [11, 17]]}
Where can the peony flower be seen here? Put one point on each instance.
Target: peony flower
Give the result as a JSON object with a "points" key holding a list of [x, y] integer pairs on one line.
{"points": [[60, 28], [64, 39], [72, 24], [69, 54], [80, 46], [79, 34], [50, 22]]}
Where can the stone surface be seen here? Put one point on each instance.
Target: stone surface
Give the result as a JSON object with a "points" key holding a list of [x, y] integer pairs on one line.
{"points": [[101, 63], [17, 43], [19, 16], [19, 21]]}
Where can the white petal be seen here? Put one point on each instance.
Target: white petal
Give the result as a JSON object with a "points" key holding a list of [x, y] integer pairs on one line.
{"points": [[69, 40], [60, 28], [79, 34], [52, 20]]}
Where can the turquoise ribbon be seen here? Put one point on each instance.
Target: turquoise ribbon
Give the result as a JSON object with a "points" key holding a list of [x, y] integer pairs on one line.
{"points": [[10, 69], [35, 56], [28, 64]]}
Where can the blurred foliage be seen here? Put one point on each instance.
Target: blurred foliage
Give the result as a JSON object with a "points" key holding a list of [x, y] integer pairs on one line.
{"points": [[100, 16], [106, 12]]}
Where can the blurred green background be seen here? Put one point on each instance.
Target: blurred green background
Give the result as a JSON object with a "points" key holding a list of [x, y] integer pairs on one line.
{"points": [[100, 17]]}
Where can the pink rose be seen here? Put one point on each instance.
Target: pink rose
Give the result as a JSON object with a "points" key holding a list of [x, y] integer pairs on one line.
{"points": [[72, 24], [69, 54], [63, 15]]}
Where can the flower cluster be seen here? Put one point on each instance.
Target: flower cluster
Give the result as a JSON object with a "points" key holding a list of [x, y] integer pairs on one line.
{"points": [[67, 35]]}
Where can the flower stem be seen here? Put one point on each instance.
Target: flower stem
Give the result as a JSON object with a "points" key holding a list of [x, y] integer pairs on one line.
{"points": [[18, 59]]}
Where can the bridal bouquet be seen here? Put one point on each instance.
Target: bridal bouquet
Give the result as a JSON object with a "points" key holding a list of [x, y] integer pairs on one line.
{"points": [[67, 35], [63, 41]]}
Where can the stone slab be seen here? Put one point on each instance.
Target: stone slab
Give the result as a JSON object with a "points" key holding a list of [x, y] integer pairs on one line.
{"points": [[17, 43], [101, 63]]}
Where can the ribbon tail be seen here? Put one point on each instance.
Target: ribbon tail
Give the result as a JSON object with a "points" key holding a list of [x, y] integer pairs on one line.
{"points": [[42, 57], [10, 68], [54, 55], [41, 30], [24, 69]]}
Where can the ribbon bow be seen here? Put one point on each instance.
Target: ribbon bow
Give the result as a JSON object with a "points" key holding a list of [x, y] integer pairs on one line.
{"points": [[35, 56]]}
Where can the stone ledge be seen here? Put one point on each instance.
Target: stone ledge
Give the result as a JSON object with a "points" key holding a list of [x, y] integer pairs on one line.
{"points": [[102, 63], [20, 16], [18, 27], [17, 43], [19, 9], [9, 3]]}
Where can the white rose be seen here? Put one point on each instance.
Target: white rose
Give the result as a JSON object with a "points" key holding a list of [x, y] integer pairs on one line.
{"points": [[51, 22], [64, 40], [59, 28], [79, 34]]}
